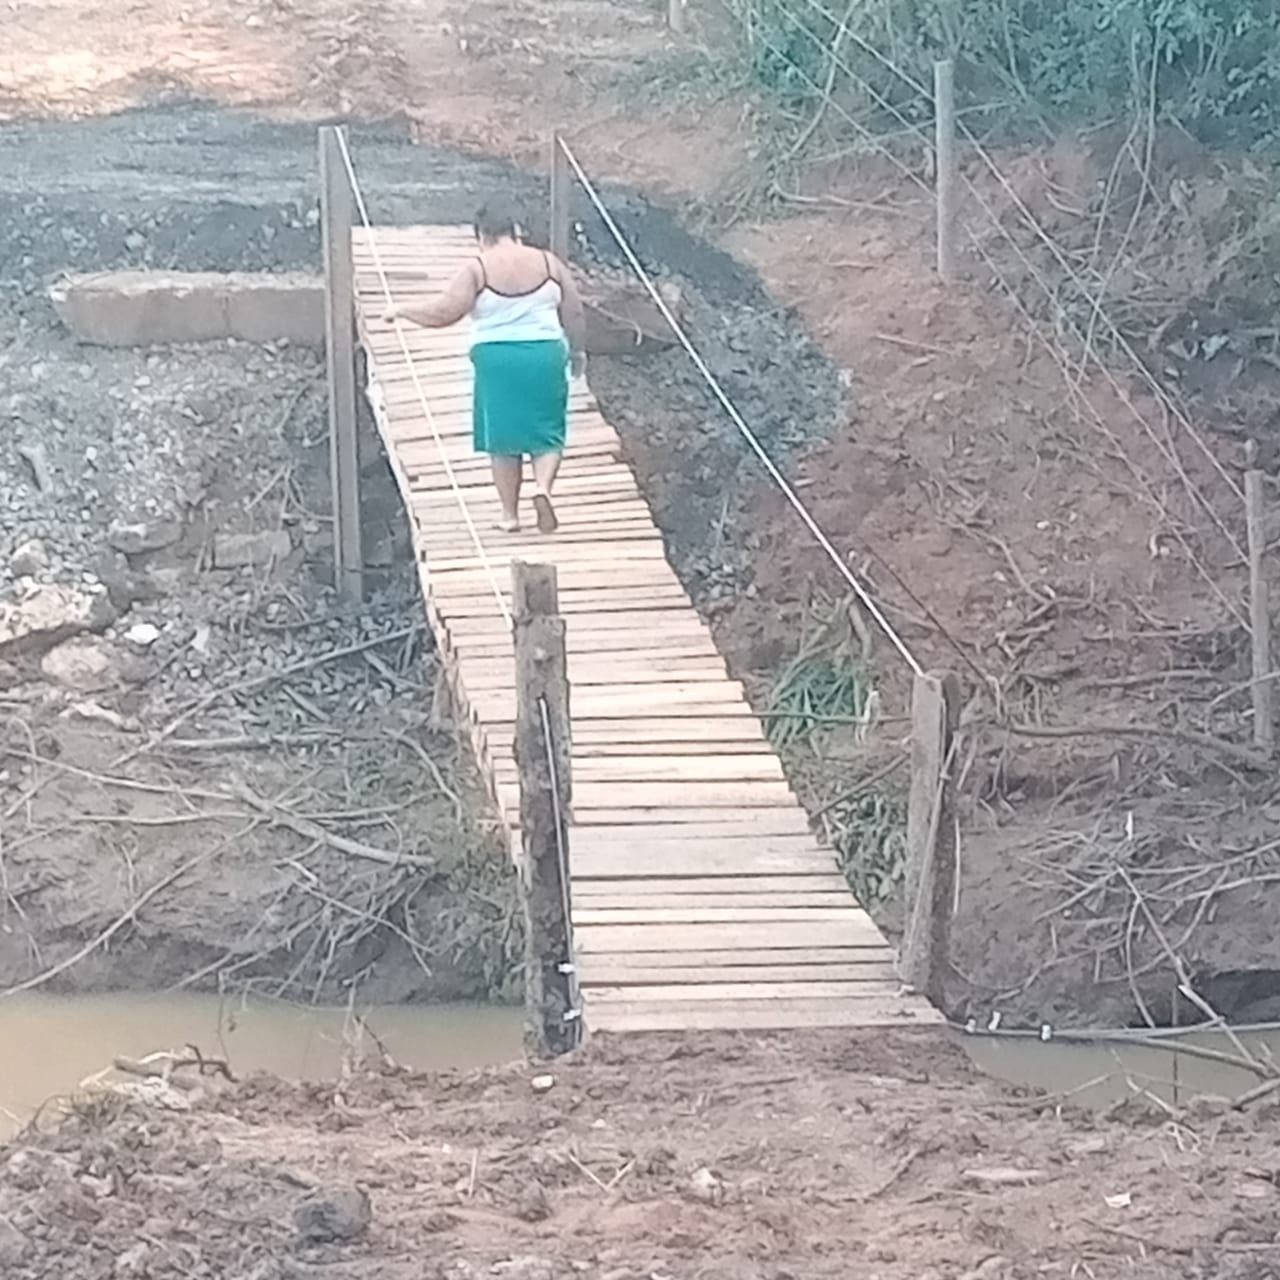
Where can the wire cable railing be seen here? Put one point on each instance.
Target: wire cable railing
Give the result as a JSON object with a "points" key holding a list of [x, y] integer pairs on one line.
{"points": [[753, 440], [362, 209]]}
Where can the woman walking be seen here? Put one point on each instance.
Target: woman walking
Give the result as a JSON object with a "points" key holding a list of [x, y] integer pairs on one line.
{"points": [[526, 338]]}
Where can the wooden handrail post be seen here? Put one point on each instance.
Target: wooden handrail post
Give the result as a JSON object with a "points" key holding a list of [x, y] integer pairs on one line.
{"points": [[944, 99], [336, 205], [543, 751], [925, 960], [560, 199], [1264, 725], [675, 16]]}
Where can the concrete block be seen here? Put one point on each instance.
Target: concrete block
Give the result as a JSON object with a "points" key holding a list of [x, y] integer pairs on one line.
{"points": [[152, 308]]}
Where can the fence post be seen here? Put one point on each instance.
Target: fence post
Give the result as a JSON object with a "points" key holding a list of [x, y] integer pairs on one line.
{"points": [[560, 191], [924, 960], [675, 16], [543, 758], [339, 297], [944, 111], [1259, 605]]}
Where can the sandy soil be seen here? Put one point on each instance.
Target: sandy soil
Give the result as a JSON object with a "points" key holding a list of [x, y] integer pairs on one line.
{"points": [[728, 1157], [1046, 530]]}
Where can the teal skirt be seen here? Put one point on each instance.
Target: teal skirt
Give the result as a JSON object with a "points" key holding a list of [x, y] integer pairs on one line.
{"points": [[521, 397]]}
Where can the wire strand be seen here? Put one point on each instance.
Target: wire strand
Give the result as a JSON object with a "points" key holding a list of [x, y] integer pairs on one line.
{"points": [[736, 417], [1095, 303], [476, 539]]}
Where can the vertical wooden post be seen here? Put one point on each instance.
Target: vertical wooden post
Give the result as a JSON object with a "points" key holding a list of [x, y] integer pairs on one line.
{"points": [[560, 192], [1259, 604], [339, 292], [944, 110], [924, 961], [675, 16], [553, 1013]]}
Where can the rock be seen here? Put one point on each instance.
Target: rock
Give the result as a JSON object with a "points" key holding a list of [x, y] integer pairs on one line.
{"points": [[143, 634], [542, 1084], [133, 1262], [84, 665], [242, 550], [136, 539], [28, 559], [334, 1214], [534, 1204], [524, 1268], [705, 1186], [48, 616]]}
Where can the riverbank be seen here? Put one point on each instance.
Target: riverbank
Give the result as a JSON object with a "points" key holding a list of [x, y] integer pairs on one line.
{"points": [[747, 1158]]}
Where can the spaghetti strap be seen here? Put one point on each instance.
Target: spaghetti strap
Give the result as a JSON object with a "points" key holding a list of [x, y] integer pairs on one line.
{"points": [[484, 275], [551, 275]]}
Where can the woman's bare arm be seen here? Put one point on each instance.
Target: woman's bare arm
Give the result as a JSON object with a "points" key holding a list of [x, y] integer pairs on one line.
{"points": [[452, 305]]}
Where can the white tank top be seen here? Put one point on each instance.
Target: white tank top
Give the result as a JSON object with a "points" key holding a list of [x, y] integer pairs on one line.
{"points": [[517, 317]]}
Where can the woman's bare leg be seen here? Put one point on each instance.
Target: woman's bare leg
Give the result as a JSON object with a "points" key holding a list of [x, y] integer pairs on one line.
{"points": [[546, 466], [508, 473]]}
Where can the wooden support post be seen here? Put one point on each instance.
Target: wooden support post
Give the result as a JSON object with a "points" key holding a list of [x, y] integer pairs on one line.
{"points": [[1264, 731], [561, 189], [944, 100], [553, 1009], [924, 960], [336, 205], [675, 16]]}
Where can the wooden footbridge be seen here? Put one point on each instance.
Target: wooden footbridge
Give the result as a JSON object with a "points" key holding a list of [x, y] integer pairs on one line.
{"points": [[700, 899]]}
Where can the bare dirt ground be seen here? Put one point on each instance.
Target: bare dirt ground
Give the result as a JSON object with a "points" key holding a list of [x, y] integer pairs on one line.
{"points": [[881, 1155], [1064, 540]]}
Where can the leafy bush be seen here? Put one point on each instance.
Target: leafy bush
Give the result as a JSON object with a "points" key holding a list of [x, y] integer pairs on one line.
{"points": [[1215, 63]]}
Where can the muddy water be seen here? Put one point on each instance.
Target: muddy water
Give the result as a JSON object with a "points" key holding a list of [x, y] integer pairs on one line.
{"points": [[1097, 1074], [51, 1045]]}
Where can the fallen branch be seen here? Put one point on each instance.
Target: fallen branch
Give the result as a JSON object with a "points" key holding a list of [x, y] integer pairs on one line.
{"points": [[309, 830], [1208, 742], [257, 682]]}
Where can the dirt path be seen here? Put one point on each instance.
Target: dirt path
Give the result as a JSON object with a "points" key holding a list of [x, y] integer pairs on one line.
{"points": [[726, 1157]]}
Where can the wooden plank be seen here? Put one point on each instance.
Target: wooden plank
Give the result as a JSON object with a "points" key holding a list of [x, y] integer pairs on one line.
{"points": [[664, 895], [597, 973], [811, 959], [763, 1015], [641, 886], [707, 991], [843, 912], [606, 938]]}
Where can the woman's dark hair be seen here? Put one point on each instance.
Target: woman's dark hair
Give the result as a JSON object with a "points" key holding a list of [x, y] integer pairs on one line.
{"points": [[497, 219]]}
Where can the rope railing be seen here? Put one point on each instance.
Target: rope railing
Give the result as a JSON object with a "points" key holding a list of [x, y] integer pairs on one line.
{"points": [[1095, 303], [419, 390], [735, 416]]}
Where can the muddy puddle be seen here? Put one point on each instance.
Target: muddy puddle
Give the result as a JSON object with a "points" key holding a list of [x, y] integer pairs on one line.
{"points": [[53, 1045]]}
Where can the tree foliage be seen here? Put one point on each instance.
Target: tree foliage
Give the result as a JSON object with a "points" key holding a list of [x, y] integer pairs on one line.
{"points": [[1213, 64]]}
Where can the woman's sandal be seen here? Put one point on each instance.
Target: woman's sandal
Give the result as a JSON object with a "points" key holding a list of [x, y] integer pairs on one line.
{"points": [[546, 513], [507, 526]]}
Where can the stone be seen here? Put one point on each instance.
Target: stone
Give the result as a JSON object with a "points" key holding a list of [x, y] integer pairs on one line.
{"points": [[242, 550], [333, 1215], [29, 559], [146, 308], [48, 616], [143, 634], [135, 539], [84, 665]]}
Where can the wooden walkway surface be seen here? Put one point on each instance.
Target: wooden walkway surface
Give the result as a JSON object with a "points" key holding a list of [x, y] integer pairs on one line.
{"points": [[700, 897]]}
